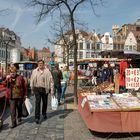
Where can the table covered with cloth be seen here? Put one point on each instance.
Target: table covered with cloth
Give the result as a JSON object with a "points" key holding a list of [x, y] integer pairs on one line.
{"points": [[109, 121]]}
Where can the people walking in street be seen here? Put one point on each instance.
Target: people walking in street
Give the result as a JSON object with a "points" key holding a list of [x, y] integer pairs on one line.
{"points": [[16, 93], [64, 83], [57, 76], [41, 83]]}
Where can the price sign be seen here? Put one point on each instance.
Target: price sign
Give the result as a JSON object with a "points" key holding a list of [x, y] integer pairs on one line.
{"points": [[132, 79]]}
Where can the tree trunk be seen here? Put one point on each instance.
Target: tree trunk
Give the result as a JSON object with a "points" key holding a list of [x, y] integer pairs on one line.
{"points": [[75, 59], [64, 55], [68, 56]]}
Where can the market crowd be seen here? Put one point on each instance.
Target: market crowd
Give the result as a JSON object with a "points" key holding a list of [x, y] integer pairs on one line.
{"points": [[43, 81]]}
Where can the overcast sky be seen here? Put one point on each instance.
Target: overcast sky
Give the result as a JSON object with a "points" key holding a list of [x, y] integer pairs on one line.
{"points": [[21, 19]]}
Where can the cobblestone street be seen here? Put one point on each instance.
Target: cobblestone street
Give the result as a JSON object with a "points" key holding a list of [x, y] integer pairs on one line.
{"points": [[50, 129], [63, 124]]}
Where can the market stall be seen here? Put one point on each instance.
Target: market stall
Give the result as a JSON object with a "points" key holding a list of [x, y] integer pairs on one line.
{"points": [[84, 81], [110, 112]]}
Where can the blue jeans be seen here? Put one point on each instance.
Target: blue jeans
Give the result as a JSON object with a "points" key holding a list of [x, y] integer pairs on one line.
{"points": [[63, 87], [57, 91]]}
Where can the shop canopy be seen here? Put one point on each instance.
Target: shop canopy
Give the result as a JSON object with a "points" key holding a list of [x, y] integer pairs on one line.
{"points": [[96, 59], [132, 52]]}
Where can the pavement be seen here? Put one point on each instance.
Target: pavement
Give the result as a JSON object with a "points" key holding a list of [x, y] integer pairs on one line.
{"points": [[62, 124], [50, 129]]}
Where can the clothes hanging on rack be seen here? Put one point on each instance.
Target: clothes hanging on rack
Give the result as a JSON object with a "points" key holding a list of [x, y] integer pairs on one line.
{"points": [[123, 65]]}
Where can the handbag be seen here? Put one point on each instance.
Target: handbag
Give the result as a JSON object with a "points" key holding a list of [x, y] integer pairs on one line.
{"points": [[54, 103], [1, 117], [24, 110]]}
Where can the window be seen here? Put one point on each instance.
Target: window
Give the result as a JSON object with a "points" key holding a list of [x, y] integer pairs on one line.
{"points": [[80, 55], [8, 53], [115, 47], [126, 47], [98, 46], [71, 55], [81, 46], [119, 47], [137, 28], [134, 47], [118, 38], [107, 39], [2, 54], [88, 46], [130, 47], [87, 54], [122, 47], [92, 54], [93, 46]]}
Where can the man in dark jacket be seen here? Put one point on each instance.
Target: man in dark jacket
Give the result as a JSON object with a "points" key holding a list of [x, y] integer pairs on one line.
{"points": [[57, 76]]}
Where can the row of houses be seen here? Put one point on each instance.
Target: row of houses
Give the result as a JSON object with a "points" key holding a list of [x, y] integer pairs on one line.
{"points": [[91, 45], [11, 50]]}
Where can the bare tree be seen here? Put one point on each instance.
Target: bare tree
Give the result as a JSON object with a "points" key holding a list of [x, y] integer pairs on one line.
{"points": [[50, 6], [62, 36], [60, 28]]}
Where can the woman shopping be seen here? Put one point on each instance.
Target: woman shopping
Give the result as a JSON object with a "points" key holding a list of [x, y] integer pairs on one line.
{"points": [[64, 82]]}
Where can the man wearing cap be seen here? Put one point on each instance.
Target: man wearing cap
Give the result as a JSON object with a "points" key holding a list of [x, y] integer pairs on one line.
{"points": [[16, 92]]}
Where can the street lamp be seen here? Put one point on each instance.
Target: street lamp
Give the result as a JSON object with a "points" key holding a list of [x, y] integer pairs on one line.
{"points": [[6, 43]]}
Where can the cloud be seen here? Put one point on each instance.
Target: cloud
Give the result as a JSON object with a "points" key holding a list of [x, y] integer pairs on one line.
{"points": [[36, 27], [13, 8], [19, 13]]}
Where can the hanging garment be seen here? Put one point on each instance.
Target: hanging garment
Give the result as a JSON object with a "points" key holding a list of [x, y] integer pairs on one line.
{"points": [[123, 66]]}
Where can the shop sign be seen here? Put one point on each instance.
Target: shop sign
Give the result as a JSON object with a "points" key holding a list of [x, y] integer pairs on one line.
{"points": [[132, 78]]}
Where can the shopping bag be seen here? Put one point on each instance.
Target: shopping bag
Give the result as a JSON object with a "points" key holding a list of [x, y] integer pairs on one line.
{"points": [[54, 103], [28, 105], [24, 110], [1, 123]]}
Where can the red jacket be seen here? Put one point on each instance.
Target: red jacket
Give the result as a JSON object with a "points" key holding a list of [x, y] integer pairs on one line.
{"points": [[123, 66], [16, 88]]}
